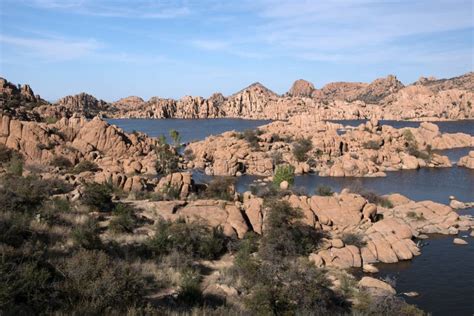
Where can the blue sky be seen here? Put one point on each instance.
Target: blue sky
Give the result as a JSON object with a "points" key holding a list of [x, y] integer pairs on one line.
{"points": [[114, 49]]}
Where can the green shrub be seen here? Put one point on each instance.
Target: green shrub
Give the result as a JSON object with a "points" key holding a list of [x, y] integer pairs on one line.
{"points": [[5, 153], [292, 288], [169, 192], [416, 216], [220, 188], [22, 194], [408, 135], [285, 235], [372, 197], [61, 162], [190, 288], [188, 154], [96, 283], [193, 239], [124, 219], [174, 134], [27, 285], [14, 228], [50, 120], [301, 148], [167, 159], [251, 136], [324, 190], [87, 235], [354, 239], [371, 144], [15, 165], [85, 165], [284, 173], [98, 197]]}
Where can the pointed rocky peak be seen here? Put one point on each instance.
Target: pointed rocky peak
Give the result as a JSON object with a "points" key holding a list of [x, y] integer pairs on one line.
{"points": [[301, 88], [257, 88]]}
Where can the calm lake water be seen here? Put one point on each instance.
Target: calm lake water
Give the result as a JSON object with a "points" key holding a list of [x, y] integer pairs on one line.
{"points": [[190, 130], [444, 273]]}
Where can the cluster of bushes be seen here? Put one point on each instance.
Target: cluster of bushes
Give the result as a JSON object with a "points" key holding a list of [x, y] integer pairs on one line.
{"points": [[371, 196], [251, 136], [412, 147], [371, 144], [220, 188], [301, 148]]}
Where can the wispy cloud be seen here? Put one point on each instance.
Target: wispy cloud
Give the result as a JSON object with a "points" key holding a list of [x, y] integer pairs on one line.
{"points": [[142, 9], [57, 49], [356, 29]]}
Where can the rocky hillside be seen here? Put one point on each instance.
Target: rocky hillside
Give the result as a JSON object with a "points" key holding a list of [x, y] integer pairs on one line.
{"points": [[384, 98], [18, 101]]}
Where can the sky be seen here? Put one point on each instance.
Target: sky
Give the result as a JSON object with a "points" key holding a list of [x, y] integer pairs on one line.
{"points": [[116, 48]]}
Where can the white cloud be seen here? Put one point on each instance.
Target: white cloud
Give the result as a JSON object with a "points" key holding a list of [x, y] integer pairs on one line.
{"points": [[52, 48], [143, 9]]}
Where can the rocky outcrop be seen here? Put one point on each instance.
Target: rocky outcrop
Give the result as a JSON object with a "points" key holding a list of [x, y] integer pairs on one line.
{"points": [[301, 88], [467, 161], [369, 150], [123, 159], [83, 104], [19, 101]]}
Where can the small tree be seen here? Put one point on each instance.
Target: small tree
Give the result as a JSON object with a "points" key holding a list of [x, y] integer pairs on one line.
{"points": [[176, 137], [284, 173]]}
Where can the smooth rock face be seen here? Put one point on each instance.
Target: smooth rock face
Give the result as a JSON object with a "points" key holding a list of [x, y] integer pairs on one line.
{"points": [[459, 241], [467, 161], [379, 286]]}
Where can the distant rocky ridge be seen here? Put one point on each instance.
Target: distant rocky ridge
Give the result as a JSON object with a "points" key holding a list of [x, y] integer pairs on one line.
{"points": [[384, 98]]}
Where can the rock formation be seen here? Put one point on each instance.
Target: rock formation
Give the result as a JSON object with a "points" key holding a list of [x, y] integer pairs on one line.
{"points": [[368, 150]]}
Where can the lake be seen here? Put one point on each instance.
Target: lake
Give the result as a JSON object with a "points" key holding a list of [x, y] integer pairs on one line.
{"points": [[189, 129], [443, 274]]}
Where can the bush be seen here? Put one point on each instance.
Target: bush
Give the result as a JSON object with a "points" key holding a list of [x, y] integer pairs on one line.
{"points": [[168, 192], [22, 194], [87, 235], [354, 239], [220, 188], [416, 216], [167, 159], [192, 239], [284, 173], [98, 197], [188, 154], [27, 285], [96, 283], [14, 229], [285, 236], [15, 165], [123, 220], [190, 289], [372, 197], [301, 148], [251, 136], [292, 288], [5, 153], [371, 144], [277, 158], [85, 165], [61, 162], [324, 190]]}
